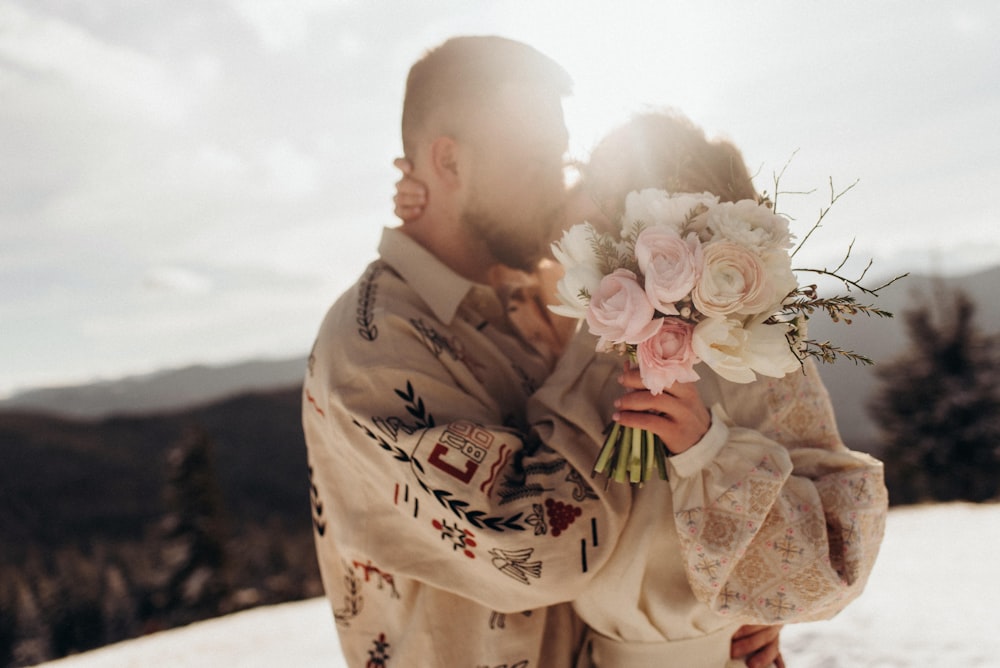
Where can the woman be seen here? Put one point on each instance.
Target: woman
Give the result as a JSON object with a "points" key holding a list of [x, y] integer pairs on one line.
{"points": [[776, 520]]}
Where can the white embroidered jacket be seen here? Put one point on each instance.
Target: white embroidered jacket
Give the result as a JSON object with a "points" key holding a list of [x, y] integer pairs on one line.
{"points": [[456, 520]]}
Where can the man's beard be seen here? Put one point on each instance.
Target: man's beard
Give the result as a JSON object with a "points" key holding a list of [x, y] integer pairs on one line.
{"points": [[517, 251]]}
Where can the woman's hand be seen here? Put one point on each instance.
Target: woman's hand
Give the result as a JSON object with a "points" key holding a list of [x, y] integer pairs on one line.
{"points": [[758, 646], [411, 195], [677, 415]]}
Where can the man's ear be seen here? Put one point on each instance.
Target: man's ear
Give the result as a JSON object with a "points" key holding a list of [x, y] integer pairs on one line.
{"points": [[444, 159]]}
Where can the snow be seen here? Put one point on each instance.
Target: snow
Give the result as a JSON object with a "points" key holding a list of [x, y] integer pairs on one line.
{"points": [[931, 601]]}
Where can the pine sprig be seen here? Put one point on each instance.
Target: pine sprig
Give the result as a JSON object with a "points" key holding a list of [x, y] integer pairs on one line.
{"points": [[838, 308]]}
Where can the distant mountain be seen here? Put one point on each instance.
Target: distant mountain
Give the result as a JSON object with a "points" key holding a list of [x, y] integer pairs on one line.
{"points": [[66, 479], [851, 387], [164, 390]]}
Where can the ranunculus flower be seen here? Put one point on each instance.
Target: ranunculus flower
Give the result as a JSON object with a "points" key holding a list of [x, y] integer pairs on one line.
{"points": [[671, 265], [749, 224], [620, 312], [733, 281], [657, 208], [667, 357], [721, 344]]}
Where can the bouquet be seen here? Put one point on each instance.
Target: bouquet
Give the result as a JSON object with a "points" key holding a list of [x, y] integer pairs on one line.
{"points": [[691, 280]]}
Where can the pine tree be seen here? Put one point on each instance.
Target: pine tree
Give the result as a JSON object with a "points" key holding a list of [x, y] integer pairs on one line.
{"points": [[194, 551], [939, 405]]}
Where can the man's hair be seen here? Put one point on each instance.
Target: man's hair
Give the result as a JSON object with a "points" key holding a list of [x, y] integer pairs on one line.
{"points": [[463, 71]]}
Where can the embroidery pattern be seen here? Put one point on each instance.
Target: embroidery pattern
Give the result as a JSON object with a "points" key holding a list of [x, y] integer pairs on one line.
{"points": [[353, 601], [460, 508], [436, 342], [378, 656], [383, 577], [537, 519], [516, 486], [583, 490], [366, 303], [461, 539], [561, 515], [515, 564], [319, 524]]}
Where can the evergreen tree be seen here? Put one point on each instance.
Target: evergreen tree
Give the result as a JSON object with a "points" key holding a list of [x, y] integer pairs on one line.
{"points": [[193, 553], [938, 405]]}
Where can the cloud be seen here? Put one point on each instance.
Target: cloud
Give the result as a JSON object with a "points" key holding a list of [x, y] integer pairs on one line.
{"points": [[177, 279], [281, 25], [106, 76]]}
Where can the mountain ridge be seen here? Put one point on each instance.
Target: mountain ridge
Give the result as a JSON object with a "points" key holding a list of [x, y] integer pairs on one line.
{"points": [[850, 386]]}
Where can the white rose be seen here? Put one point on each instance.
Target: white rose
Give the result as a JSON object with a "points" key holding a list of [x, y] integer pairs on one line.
{"points": [[658, 208], [749, 224]]}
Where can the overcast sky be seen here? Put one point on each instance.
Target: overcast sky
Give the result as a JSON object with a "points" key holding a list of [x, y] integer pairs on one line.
{"points": [[187, 181]]}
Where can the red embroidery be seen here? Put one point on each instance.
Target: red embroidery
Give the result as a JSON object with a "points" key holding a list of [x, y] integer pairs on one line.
{"points": [[315, 405], [561, 515]]}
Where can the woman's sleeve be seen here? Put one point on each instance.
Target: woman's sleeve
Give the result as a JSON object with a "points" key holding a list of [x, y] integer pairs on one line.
{"points": [[778, 521]]}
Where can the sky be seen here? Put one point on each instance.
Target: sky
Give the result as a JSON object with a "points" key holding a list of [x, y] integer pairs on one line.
{"points": [[192, 181]]}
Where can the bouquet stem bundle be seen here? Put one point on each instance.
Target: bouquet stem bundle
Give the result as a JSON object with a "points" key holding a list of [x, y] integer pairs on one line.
{"points": [[632, 455]]}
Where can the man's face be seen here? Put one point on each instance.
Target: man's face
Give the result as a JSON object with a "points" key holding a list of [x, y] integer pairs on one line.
{"points": [[516, 194]]}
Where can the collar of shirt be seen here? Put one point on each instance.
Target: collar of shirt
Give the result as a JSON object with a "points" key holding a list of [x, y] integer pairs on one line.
{"points": [[439, 287]]}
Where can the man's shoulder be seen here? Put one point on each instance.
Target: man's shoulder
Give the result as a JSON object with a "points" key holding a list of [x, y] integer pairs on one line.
{"points": [[378, 295]]}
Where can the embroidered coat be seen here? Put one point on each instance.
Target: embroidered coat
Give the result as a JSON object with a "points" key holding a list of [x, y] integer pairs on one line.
{"points": [[454, 515]]}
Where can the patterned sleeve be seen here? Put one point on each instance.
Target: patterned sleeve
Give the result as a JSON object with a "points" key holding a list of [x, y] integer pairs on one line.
{"points": [[779, 522], [422, 469]]}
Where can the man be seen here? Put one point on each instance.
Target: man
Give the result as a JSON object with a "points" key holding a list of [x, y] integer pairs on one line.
{"points": [[448, 532]]}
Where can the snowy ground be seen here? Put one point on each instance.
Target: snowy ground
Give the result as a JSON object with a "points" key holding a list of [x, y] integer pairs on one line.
{"points": [[931, 602]]}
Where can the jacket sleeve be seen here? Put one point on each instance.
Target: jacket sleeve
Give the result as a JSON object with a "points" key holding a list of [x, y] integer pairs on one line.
{"points": [[778, 521], [428, 473]]}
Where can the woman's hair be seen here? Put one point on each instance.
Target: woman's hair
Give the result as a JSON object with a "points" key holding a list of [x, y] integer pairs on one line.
{"points": [[664, 149]]}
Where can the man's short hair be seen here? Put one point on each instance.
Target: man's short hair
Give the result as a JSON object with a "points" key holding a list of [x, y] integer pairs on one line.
{"points": [[463, 71]]}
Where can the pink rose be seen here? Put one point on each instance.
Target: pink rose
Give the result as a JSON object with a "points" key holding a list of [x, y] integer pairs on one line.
{"points": [[733, 280], [667, 357], [672, 266], [620, 312]]}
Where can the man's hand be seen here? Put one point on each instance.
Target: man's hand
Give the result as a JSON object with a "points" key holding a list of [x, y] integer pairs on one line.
{"points": [[758, 645], [411, 195], [677, 415]]}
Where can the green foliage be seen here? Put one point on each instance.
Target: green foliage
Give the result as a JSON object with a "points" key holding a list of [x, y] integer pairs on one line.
{"points": [[938, 406]]}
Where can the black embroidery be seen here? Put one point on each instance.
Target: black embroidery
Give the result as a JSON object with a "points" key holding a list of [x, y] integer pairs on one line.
{"points": [[366, 303], [415, 406], [583, 490], [436, 342], [353, 601], [515, 564], [317, 506], [379, 656], [515, 484], [477, 518], [528, 384], [537, 519]]}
